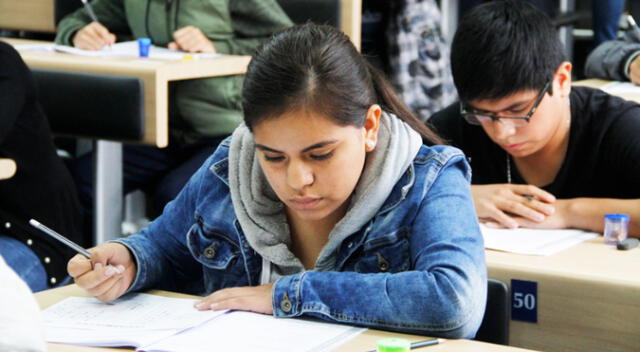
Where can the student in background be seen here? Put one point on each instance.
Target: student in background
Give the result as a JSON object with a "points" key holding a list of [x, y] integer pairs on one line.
{"points": [[42, 187], [325, 203], [543, 154], [20, 320], [202, 111], [419, 62], [617, 60], [605, 15]]}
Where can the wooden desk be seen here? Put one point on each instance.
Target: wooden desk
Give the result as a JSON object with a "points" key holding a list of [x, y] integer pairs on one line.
{"points": [[155, 75], [597, 83], [351, 20], [588, 297], [363, 342], [7, 168], [28, 15], [39, 16]]}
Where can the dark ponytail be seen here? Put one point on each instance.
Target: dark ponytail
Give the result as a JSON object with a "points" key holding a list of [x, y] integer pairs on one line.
{"points": [[317, 68], [390, 102]]}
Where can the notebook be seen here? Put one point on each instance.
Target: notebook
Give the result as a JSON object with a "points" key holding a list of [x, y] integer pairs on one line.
{"points": [[155, 323]]}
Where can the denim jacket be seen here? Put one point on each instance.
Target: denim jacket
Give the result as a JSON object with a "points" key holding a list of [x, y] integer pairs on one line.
{"points": [[417, 266]]}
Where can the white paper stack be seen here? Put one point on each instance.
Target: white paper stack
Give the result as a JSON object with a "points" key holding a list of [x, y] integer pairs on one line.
{"points": [[156, 323], [532, 241]]}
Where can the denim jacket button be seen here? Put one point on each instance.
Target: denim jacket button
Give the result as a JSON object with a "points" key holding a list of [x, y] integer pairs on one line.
{"points": [[210, 251], [285, 304], [383, 264]]}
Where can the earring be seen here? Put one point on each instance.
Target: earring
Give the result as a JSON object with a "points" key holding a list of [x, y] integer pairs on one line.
{"points": [[371, 144]]}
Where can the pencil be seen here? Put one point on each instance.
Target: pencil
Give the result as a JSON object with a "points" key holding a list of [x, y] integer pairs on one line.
{"points": [[60, 238]]}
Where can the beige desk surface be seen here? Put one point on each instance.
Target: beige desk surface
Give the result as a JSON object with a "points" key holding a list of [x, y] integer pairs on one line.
{"points": [[155, 75], [363, 342], [588, 297], [597, 83], [28, 15], [7, 168]]}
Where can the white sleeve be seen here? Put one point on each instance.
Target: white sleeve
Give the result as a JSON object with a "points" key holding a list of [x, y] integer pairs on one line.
{"points": [[627, 64], [20, 318]]}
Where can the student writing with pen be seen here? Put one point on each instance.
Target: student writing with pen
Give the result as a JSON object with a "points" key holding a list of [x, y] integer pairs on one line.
{"points": [[202, 112], [619, 59], [324, 203], [543, 153]]}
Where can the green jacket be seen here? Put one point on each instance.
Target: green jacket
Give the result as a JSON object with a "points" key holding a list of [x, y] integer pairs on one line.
{"points": [[208, 107]]}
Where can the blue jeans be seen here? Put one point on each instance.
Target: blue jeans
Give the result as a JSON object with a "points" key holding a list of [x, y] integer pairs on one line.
{"points": [[24, 262], [606, 16]]}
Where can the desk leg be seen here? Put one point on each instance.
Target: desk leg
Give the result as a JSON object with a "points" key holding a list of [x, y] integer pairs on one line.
{"points": [[566, 32], [107, 167], [449, 10]]}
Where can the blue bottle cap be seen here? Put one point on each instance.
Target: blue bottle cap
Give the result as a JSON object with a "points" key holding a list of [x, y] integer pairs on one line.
{"points": [[143, 46], [624, 217]]}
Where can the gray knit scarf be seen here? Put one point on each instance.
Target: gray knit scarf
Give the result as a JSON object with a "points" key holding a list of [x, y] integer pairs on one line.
{"points": [[261, 214]]}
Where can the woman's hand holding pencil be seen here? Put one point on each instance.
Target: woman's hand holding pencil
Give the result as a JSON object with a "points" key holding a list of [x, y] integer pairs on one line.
{"points": [[108, 274]]}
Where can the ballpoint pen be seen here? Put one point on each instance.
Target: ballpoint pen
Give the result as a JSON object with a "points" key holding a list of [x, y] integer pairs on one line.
{"points": [[89, 9], [633, 26]]}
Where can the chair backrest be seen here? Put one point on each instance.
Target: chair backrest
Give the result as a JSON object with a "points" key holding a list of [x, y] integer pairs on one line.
{"points": [[65, 7], [91, 105], [317, 11], [495, 323], [343, 14]]}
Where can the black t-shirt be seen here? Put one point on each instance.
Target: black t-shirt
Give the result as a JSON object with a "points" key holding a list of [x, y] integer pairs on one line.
{"points": [[42, 187], [603, 156]]}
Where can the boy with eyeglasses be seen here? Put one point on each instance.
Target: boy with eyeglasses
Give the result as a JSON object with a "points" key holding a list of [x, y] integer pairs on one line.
{"points": [[543, 154]]}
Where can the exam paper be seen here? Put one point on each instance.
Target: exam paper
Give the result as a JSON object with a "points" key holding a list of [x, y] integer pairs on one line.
{"points": [[621, 88], [155, 323], [123, 50], [532, 241], [133, 311], [41, 48], [106, 337], [244, 331]]}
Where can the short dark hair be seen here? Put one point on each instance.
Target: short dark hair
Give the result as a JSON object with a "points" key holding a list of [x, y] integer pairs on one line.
{"points": [[503, 47], [317, 67]]}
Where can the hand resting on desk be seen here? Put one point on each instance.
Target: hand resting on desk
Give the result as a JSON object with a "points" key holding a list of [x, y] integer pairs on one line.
{"points": [[108, 274], [256, 299], [502, 204], [634, 71], [192, 40]]}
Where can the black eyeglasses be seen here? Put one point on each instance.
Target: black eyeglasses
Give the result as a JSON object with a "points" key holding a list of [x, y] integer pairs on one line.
{"points": [[476, 117]]}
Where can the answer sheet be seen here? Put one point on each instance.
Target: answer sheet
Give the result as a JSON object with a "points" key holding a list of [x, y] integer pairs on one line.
{"points": [[532, 241], [244, 331], [119, 50], [156, 323], [133, 311], [621, 88], [130, 50]]}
